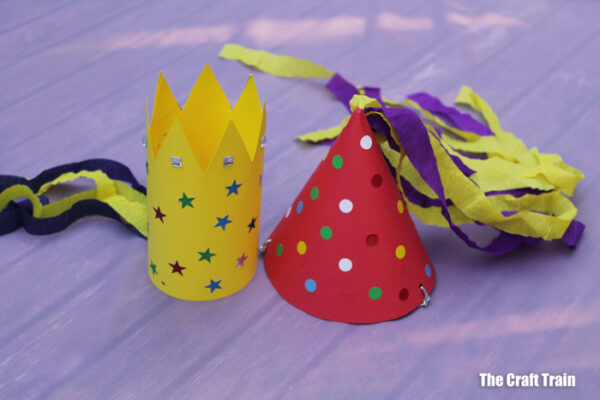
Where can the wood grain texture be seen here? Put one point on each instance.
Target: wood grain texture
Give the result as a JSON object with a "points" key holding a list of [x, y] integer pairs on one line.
{"points": [[79, 317]]}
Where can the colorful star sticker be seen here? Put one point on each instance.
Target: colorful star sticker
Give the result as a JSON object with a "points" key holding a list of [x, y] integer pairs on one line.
{"points": [[153, 268], [233, 188], [214, 285], [159, 214], [177, 268], [240, 260], [206, 255], [252, 224], [186, 201], [223, 222]]}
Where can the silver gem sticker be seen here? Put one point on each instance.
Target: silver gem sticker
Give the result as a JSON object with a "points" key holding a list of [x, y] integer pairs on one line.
{"points": [[227, 161], [263, 141], [176, 161], [144, 140]]}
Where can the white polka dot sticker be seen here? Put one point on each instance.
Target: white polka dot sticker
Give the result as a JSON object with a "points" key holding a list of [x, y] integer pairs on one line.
{"points": [[287, 213], [366, 142], [346, 206], [345, 264]]}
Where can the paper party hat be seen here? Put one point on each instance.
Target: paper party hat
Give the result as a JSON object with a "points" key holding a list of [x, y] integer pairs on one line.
{"points": [[347, 249], [204, 175]]}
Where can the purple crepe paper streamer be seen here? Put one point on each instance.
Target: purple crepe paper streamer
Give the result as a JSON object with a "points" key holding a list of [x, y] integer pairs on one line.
{"points": [[342, 89], [418, 198], [460, 164], [516, 192], [374, 93], [379, 125], [457, 161], [461, 120], [422, 200], [573, 233]]}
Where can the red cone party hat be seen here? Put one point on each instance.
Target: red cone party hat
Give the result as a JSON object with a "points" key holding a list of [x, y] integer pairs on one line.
{"points": [[347, 249]]}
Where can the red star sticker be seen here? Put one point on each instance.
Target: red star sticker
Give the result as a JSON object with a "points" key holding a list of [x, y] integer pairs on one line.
{"points": [[177, 268], [158, 214]]}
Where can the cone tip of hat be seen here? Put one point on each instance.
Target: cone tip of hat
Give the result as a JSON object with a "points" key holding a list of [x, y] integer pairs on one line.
{"points": [[359, 120], [358, 111]]}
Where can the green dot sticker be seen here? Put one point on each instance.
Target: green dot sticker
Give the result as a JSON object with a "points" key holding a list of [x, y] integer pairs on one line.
{"points": [[314, 193], [375, 293], [337, 161], [326, 232], [279, 249]]}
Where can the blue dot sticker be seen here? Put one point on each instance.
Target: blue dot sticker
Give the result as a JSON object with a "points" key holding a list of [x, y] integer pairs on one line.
{"points": [[299, 207], [428, 271], [310, 285]]}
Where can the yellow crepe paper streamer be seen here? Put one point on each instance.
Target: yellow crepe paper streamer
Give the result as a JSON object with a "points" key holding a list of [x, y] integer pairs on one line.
{"points": [[279, 65], [324, 134], [509, 164], [555, 171]]}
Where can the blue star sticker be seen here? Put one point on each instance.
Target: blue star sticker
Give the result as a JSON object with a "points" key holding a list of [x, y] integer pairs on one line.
{"points": [[252, 225], [233, 188], [223, 222], [214, 285]]}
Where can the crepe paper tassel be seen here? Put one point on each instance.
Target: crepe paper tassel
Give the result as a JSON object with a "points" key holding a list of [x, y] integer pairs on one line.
{"points": [[488, 176], [349, 250], [543, 215], [444, 175], [204, 178], [420, 151], [112, 198]]}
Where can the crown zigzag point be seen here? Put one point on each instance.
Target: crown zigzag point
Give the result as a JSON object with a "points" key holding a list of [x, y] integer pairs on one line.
{"points": [[164, 112], [245, 116]]}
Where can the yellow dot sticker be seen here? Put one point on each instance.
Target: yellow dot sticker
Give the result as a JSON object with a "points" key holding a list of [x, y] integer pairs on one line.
{"points": [[400, 252], [301, 247], [400, 207]]}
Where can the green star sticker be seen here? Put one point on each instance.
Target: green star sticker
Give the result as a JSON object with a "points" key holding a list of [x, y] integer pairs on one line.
{"points": [[186, 201], [206, 255], [153, 268]]}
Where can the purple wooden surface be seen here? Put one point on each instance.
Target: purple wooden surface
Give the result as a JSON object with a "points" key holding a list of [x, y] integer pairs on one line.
{"points": [[79, 317]]}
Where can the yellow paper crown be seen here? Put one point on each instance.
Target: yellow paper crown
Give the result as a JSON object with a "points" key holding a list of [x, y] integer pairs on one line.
{"points": [[204, 177]]}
